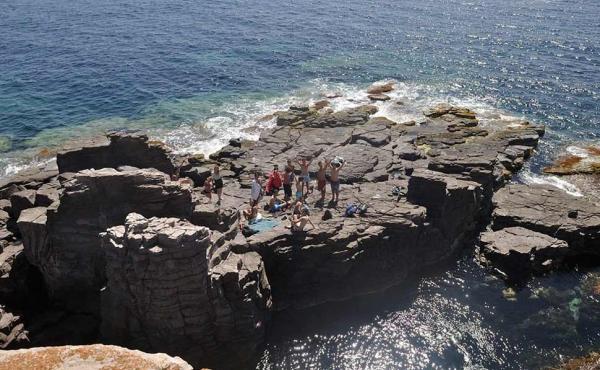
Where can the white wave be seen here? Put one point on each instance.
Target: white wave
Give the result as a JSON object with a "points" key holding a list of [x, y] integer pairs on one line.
{"points": [[557, 182], [204, 126], [577, 151]]}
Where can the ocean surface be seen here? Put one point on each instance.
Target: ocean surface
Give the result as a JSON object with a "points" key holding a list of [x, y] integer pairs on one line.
{"points": [[197, 73]]}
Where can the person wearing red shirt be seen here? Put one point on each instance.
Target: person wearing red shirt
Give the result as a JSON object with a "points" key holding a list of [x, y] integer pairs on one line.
{"points": [[274, 182]]}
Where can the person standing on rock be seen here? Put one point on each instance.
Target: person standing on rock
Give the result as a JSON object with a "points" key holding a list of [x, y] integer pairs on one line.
{"points": [[288, 180], [256, 191], [336, 166], [218, 182], [322, 178], [305, 174]]}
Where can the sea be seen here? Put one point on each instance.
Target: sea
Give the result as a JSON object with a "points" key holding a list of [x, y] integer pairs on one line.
{"points": [[195, 74]]}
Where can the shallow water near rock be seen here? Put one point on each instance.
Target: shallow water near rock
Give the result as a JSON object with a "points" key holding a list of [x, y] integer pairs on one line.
{"points": [[74, 69]]}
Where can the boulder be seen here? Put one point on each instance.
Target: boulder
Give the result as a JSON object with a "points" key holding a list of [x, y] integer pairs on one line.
{"points": [[161, 293], [12, 333], [62, 241], [115, 150], [519, 252], [20, 201], [378, 97], [90, 357], [549, 211], [586, 160], [380, 88]]}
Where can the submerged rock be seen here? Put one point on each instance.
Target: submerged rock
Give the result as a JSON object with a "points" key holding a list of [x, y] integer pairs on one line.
{"points": [[585, 161], [91, 357], [380, 88]]}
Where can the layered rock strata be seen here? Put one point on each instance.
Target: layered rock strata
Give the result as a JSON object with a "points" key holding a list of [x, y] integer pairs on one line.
{"points": [[162, 294], [536, 228], [62, 240]]}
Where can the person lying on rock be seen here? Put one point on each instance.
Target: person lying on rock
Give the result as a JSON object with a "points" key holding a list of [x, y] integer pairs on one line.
{"points": [[218, 182], [274, 182], [305, 174], [256, 191], [289, 179], [208, 187], [334, 178], [322, 178]]}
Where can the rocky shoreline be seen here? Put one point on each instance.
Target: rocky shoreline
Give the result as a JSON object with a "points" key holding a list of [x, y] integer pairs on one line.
{"points": [[117, 240]]}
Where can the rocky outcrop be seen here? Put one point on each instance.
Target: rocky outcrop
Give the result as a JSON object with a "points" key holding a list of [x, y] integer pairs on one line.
{"points": [[178, 276], [62, 240], [115, 150], [12, 331], [538, 228], [447, 165], [91, 357], [584, 161], [549, 211], [163, 293], [518, 252]]}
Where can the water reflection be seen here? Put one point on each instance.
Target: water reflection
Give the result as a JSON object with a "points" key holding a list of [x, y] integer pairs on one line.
{"points": [[459, 319]]}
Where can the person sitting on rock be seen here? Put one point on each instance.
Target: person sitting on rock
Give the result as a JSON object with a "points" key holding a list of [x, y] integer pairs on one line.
{"points": [[274, 182], [289, 179], [218, 182], [249, 215], [336, 166], [305, 174], [208, 187], [300, 218], [256, 191], [276, 205], [322, 178]]}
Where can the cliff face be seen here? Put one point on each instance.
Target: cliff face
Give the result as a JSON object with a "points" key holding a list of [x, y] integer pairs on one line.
{"points": [[161, 295], [62, 240]]}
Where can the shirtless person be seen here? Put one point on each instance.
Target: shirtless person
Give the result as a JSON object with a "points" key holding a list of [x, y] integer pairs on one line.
{"points": [[305, 174], [322, 178], [336, 166], [300, 218]]}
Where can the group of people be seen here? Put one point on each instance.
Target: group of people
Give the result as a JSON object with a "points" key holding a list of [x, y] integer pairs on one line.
{"points": [[286, 179], [277, 180]]}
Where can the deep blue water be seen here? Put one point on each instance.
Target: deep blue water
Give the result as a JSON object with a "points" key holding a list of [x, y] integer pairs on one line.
{"points": [[195, 73]]}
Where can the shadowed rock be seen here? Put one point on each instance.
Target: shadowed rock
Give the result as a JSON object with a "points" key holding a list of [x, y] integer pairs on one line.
{"points": [[116, 150], [62, 241], [162, 294]]}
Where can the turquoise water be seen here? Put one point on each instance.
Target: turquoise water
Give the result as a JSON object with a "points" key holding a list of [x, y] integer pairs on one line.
{"points": [[196, 73]]}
